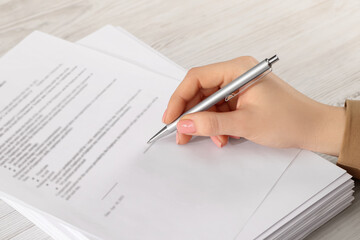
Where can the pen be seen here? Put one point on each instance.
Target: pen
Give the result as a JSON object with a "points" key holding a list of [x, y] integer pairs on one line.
{"points": [[225, 92]]}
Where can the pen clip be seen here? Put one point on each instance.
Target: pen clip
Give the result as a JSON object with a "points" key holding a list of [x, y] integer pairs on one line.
{"points": [[228, 98]]}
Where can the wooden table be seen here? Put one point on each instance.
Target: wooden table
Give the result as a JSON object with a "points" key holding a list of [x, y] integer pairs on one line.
{"points": [[318, 43]]}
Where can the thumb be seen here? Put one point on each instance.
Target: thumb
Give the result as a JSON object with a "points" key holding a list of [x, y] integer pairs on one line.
{"points": [[210, 124]]}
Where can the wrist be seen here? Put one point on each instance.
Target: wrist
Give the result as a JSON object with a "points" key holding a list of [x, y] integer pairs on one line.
{"points": [[326, 134]]}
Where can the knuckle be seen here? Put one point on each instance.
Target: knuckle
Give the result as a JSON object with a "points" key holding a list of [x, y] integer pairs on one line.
{"points": [[192, 72], [247, 61]]}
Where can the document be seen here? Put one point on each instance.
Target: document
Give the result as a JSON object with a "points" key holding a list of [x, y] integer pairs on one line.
{"points": [[73, 130], [131, 49], [306, 181]]}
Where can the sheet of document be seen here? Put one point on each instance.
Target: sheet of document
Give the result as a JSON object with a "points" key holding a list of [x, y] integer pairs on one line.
{"points": [[131, 49], [307, 180], [74, 125]]}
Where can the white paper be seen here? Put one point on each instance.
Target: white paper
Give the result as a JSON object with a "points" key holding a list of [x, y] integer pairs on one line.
{"points": [[123, 45], [307, 180], [196, 191], [119, 43]]}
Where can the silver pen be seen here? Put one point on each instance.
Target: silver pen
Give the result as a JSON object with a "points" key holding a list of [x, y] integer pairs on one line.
{"points": [[226, 92]]}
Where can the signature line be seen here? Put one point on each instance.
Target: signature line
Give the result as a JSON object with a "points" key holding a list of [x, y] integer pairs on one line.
{"points": [[112, 188]]}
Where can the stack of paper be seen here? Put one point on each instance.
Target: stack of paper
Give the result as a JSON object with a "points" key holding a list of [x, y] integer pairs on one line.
{"points": [[74, 120]]}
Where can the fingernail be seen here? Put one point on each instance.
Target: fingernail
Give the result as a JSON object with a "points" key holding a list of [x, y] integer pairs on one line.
{"points": [[216, 141], [186, 126], [177, 138], [164, 116]]}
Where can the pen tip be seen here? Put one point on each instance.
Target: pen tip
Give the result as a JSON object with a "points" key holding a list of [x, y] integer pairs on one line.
{"points": [[162, 132], [151, 140]]}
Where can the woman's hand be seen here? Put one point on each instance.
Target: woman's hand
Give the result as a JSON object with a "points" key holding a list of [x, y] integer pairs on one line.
{"points": [[270, 112]]}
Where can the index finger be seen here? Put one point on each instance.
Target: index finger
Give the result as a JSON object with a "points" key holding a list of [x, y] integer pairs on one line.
{"points": [[198, 78]]}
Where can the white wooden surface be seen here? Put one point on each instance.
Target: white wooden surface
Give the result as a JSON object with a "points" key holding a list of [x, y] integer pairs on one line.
{"points": [[318, 42]]}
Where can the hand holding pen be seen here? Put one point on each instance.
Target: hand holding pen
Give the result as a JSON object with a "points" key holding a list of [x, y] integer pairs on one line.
{"points": [[270, 112]]}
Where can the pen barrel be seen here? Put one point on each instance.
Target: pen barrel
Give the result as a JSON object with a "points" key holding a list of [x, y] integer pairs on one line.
{"points": [[230, 88]]}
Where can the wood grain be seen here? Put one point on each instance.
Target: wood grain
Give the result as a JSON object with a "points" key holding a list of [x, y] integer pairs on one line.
{"points": [[318, 43]]}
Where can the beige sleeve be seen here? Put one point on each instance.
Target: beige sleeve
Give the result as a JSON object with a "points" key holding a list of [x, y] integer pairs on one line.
{"points": [[349, 157]]}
